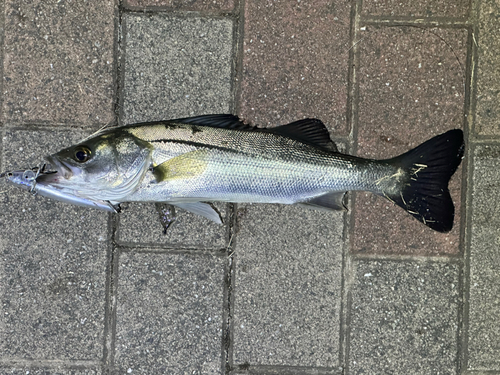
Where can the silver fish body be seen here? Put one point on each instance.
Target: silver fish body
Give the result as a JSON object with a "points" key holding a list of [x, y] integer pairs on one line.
{"points": [[217, 158], [217, 164]]}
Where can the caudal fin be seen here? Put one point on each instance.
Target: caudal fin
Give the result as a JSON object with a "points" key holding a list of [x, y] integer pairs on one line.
{"points": [[429, 168]]}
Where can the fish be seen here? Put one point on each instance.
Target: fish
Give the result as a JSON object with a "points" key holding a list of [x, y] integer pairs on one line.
{"points": [[190, 162]]}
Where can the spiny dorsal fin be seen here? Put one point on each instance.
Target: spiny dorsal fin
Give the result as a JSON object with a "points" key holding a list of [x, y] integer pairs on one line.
{"points": [[216, 121]]}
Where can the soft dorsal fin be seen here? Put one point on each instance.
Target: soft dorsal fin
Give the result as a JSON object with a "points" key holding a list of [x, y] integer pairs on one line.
{"points": [[310, 131]]}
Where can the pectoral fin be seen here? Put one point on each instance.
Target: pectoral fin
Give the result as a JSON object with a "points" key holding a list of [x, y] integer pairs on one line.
{"points": [[203, 209], [188, 165], [331, 201]]}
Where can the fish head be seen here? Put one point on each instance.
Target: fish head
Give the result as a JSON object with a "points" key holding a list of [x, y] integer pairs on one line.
{"points": [[106, 167]]}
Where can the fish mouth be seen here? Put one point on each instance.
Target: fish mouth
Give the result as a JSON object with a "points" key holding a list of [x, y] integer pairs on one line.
{"points": [[55, 170]]}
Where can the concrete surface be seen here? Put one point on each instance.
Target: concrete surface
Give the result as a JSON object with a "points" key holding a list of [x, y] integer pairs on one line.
{"points": [[288, 286], [424, 8], [403, 318], [192, 5], [488, 76], [295, 59], [54, 259], [138, 225], [175, 67], [275, 290], [484, 282], [58, 62], [169, 314]]}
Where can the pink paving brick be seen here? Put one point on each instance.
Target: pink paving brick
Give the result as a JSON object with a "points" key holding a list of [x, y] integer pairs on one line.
{"points": [[58, 65], [424, 8], [411, 87], [295, 62], [214, 5]]}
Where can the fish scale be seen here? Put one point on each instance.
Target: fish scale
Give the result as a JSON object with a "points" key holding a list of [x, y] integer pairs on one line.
{"points": [[252, 167]]}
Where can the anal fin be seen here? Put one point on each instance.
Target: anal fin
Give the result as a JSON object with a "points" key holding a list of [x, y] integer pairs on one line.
{"points": [[336, 201]]}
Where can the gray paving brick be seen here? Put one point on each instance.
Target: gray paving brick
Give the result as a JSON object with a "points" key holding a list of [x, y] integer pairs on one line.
{"points": [[193, 5], [288, 286], [169, 314], [488, 75], [2, 40], [139, 224], [58, 65], [27, 148], [47, 371], [176, 67], [404, 318], [484, 314], [52, 264]]}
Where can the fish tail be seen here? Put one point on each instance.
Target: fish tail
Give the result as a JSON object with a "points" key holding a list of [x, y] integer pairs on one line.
{"points": [[428, 168]]}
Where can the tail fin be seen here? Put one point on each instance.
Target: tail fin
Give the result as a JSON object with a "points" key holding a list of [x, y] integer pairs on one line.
{"points": [[429, 168]]}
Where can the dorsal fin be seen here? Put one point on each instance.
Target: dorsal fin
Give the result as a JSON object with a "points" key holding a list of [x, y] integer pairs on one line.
{"points": [[217, 121], [309, 131]]}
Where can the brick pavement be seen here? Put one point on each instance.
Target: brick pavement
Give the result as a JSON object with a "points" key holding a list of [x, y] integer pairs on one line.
{"points": [[277, 290]]}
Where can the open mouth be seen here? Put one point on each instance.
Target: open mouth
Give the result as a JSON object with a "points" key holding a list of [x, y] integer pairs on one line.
{"points": [[54, 170]]}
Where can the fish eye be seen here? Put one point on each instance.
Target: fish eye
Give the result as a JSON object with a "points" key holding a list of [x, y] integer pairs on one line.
{"points": [[82, 154]]}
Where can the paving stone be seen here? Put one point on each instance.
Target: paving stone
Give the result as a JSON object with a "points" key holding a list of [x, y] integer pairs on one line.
{"points": [[2, 27], [48, 371], [58, 65], [295, 62], [279, 370], [200, 5], [288, 286], [424, 8], [176, 67], [169, 314], [404, 318], [52, 264], [411, 88], [487, 73], [139, 223], [484, 311]]}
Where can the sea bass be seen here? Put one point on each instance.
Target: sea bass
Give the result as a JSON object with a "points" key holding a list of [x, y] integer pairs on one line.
{"points": [[217, 158]]}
